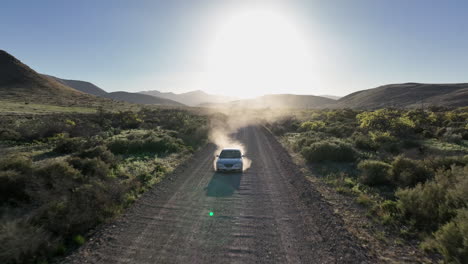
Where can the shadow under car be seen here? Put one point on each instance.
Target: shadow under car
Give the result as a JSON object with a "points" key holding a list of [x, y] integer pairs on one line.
{"points": [[223, 184]]}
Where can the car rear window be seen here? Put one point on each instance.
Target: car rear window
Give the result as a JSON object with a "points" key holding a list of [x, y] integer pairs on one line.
{"points": [[230, 154]]}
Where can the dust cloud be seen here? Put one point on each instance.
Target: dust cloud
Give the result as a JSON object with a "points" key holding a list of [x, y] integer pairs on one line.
{"points": [[226, 123]]}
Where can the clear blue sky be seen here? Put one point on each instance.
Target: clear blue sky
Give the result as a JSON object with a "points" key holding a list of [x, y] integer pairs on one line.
{"points": [[161, 45]]}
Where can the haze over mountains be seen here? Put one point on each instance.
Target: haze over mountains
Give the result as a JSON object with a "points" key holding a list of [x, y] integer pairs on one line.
{"points": [[20, 83], [193, 98], [279, 101]]}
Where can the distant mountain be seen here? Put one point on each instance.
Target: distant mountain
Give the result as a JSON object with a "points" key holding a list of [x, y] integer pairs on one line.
{"points": [[279, 101], [85, 87], [334, 97], [138, 98], [20, 83], [193, 98], [134, 98], [407, 95]]}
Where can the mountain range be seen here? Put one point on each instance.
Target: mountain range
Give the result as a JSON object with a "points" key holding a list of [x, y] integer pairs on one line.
{"points": [[193, 98], [135, 98], [407, 95], [18, 82], [279, 101]]}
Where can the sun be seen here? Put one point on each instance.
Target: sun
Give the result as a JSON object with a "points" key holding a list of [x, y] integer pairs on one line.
{"points": [[257, 52]]}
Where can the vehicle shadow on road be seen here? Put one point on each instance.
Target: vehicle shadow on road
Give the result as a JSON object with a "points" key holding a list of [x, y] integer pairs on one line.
{"points": [[223, 184]]}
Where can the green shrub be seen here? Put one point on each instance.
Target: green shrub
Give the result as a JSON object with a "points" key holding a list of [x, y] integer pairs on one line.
{"points": [[452, 239], [329, 151], [340, 130], [9, 134], [69, 145], [100, 152], [39, 129], [391, 207], [446, 162], [363, 142], [128, 120], [435, 202], [90, 168], [312, 126], [385, 141], [407, 173], [374, 172], [21, 242], [364, 200], [18, 163], [384, 120], [79, 240], [74, 212], [13, 187], [151, 144], [54, 177]]}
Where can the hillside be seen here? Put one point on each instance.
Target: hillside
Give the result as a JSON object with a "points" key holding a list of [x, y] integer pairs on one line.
{"points": [[193, 98], [407, 95], [138, 98], [279, 101], [85, 87], [135, 98], [19, 83]]}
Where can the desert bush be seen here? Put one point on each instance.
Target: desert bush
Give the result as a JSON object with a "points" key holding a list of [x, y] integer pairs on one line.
{"points": [[38, 129], [364, 200], [13, 187], [128, 120], [341, 115], [363, 142], [407, 173], [340, 130], [374, 172], [385, 141], [452, 239], [195, 136], [69, 145], [451, 136], [150, 144], [87, 206], [285, 125], [100, 152], [386, 120], [21, 242], [428, 205], [54, 177], [90, 168], [306, 139], [9, 134], [312, 126], [72, 202], [446, 162], [329, 151], [18, 163]]}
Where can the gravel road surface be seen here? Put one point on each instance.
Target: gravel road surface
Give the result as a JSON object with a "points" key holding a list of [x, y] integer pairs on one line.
{"points": [[268, 214]]}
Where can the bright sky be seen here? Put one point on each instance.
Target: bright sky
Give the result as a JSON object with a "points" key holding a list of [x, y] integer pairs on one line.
{"points": [[241, 48]]}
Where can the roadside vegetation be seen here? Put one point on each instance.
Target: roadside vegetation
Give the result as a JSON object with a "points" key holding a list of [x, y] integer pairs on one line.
{"points": [[63, 174], [408, 167]]}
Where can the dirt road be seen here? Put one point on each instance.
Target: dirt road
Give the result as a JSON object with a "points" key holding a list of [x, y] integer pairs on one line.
{"points": [[269, 214]]}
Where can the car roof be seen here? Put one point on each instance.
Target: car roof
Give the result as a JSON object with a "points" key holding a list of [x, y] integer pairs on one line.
{"points": [[231, 149]]}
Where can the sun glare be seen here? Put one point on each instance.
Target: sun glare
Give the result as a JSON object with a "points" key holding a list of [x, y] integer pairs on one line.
{"points": [[256, 52]]}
